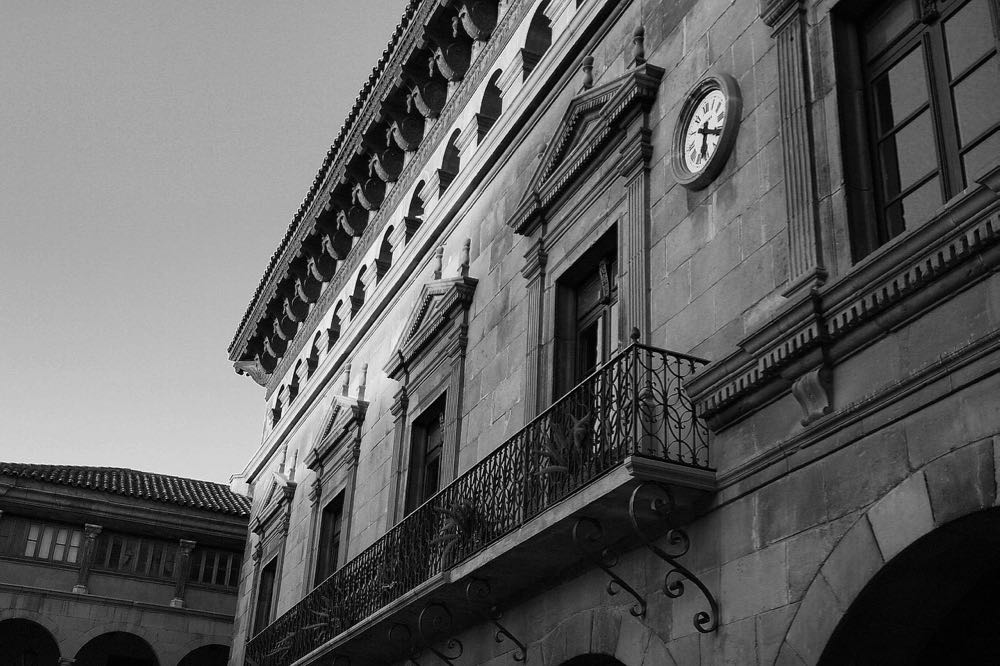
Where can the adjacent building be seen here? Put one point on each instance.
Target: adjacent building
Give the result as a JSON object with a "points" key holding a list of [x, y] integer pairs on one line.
{"points": [[639, 332], [103, 566]]}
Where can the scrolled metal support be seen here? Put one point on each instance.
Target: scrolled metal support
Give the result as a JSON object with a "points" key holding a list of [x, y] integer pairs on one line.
{"points": [[435, 620], [401, 635], [478, 591], [588, 532], [679, 542]]}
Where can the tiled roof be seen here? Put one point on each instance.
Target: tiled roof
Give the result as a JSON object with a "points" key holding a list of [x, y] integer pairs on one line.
{"points": [[204, 495], [345, 128]]}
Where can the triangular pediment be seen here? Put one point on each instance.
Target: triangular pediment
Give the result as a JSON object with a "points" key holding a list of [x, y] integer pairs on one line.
{"points": [[439, 303], [587, 126]]}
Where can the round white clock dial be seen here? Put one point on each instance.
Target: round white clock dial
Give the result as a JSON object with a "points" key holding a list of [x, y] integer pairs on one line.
{"points": [[701, 137]]}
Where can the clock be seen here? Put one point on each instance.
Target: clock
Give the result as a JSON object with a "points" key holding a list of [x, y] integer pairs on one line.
{"points": [[706, 130]]}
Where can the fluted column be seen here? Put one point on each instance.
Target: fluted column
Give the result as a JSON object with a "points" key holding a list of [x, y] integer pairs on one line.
{"points": [[633, 292], [181, 569], [398, 410], [534, 272], [90, 533], [805, 261]]}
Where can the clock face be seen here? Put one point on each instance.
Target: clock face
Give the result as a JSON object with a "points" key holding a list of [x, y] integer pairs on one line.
{"points": [[704, 129]]}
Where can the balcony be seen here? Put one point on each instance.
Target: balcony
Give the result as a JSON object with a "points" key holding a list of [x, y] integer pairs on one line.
{"points": [[510, 521]]}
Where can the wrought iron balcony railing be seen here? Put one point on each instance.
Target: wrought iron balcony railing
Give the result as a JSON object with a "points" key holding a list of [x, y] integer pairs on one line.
{"points": [[634, 405]]}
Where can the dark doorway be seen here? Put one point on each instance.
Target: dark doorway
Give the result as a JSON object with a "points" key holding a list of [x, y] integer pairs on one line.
{"points": [[934, 603], [207, 655], [117, 648], [593, 660], [26, 643]]}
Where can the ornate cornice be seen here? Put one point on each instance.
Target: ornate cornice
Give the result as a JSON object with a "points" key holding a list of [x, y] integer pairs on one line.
{"points": [[836, 320], [587, 126], [345, 151], [776, 12]]}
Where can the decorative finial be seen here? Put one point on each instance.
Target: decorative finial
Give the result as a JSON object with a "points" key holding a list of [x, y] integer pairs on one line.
{"points": [[284, 457], [588, 72], [635, 335], [463, 267], [295, 460], [347, 380], [364, 381], [638, 46], [438, 262]]}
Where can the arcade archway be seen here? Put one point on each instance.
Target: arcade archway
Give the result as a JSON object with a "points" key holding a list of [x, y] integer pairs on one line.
{"points": [[26, 643], [934, 603], [116, 648], [207, 655]]}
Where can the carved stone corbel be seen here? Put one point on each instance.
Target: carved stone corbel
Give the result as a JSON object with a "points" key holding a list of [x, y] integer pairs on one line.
{"points": [[451, 54], [813, 390], [478, 17], [405, 128]]}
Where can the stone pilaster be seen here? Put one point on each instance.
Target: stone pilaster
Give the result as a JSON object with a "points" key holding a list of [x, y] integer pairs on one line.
{"points": [[398, 410], [87, 551], [633, 167], [534, 272], [805, 261], [181, 569], [453, 405]]}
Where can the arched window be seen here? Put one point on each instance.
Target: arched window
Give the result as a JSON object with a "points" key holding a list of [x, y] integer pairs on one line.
{"points": [[491, 106], [539, 37], [384, 260], [451, 163], [333, 333], [415, 214], [313, 359], [358, 296]]}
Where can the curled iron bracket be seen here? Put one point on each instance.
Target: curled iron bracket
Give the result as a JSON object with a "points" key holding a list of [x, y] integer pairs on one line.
{"points": [[435, 620], [677, 540], [588, 532], [401, 635], [478, 590]]}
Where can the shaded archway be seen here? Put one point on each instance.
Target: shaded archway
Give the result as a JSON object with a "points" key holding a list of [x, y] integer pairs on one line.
{"points": [[26, 643], [116, 648], [934, 603], [206, 655], [593, 660]]}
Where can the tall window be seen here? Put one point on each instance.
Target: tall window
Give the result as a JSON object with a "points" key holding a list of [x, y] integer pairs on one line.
{"points": [[328, 549], [212, 566], [596, 317], [135, 555], [930, 74], [265, 594], [23, 537], [425, 457]]}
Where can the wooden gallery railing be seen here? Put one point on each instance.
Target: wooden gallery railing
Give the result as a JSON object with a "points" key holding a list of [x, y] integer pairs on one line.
{"points": [[634, 405]]}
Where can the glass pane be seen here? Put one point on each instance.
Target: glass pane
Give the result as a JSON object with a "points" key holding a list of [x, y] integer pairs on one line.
{"points": [[115, 555], [908, 155], [71, 556], [969, 34], [77, 536], [914, 208], [156, 560], [32, 544], [901, 91], [975, 101], [45, 545], [884, 29], [60, 549], [234, 572], [983, 157], [144, 552]]}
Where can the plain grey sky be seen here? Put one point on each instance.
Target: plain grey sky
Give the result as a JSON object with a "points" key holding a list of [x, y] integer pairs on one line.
{"points": [[151, 156]]}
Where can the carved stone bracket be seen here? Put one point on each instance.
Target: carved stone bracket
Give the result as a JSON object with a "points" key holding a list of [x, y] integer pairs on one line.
{"points": [[812, 391], [478, 592], [678, 543], [588, 535]]}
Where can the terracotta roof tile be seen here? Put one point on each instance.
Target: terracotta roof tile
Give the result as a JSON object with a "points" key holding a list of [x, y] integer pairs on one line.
{"points": [[204, 495]]}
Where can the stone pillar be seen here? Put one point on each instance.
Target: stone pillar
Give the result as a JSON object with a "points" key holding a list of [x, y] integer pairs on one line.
{"points": [[181, 569], [534, 272], [453, 405], [90, 533], [398, 410], [633, 292], [805, 257], [314, 495]]}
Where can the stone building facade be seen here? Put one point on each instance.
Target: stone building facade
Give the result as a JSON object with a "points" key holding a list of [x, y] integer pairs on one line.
{"points": [[649, 332], [102, 566]]}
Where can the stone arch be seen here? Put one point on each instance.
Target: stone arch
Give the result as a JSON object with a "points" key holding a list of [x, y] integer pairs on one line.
{"points": [[539, 36], [27, 641], [451, 161], [490, 107], [209, 654], [45, 621], [132, 636], [602, 636], [949, 488], [383, 262], [336, 324]]}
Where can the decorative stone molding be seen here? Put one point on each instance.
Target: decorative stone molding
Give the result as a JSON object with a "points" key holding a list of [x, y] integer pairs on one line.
{"points": [[585, 129], [534, 273], [959, 247], [812, 391]]}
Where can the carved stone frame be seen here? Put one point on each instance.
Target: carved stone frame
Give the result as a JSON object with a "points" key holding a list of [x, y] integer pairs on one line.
{"points": [[428, 362]]}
